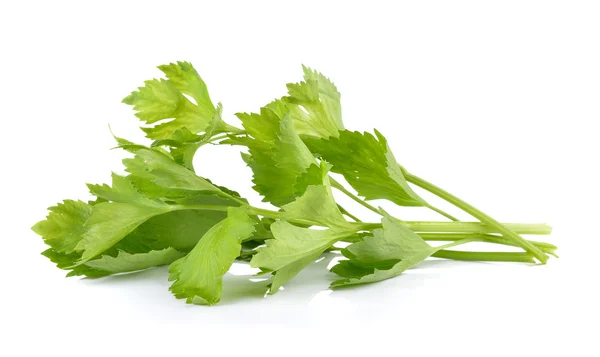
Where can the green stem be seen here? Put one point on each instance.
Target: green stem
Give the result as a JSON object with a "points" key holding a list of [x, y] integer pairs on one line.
{"points": [[277, 215], [247, 253], [233, 198], [217, 138], [357, 199], [447, 215], [484, 218], [416, 226], [519, 257], [225, 136], [474, 227], [362, 202], [345, 211], [200, 207], [459, 242], [265, 212], [488, 238], [479, 256], [332, 249]]}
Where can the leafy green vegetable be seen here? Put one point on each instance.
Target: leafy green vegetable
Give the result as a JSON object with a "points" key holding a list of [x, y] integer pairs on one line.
{"points": [[368, 165], [67, 261], [198, 276], [126, 262], [162, 99], [150, 166], [292, 249], [184, 144], [275, 151], [161, 212], [63, 227], [394, 243], [316, 205], [177, 229], [187, 81], [314, 105], [112, 221]]}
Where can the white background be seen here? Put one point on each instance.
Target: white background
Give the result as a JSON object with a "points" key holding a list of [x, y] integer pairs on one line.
{"points": [[496, 101]]}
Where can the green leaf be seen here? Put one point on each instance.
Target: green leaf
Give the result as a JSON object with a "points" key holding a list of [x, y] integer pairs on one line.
{"points": [[278, 107], [162, 99], [183, 144], [125, 262], [277, 155], [180, 137], [263, 126], [122, 190], [314, 105], [158, 100], [124, 143], [112, 221], [186, 80], [178, 229], [379, 275], [156, 175], [67, 261], [262, 229], [368, 165], [184, 151], [63, 230], [347, 269], [198, 277], [290, 153], [290, 244], [63, 227], [313, 176], [187, 144], [166, 173], [388, 253], [317, 205], [284, 274], [293, 248], [392, 243]]}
